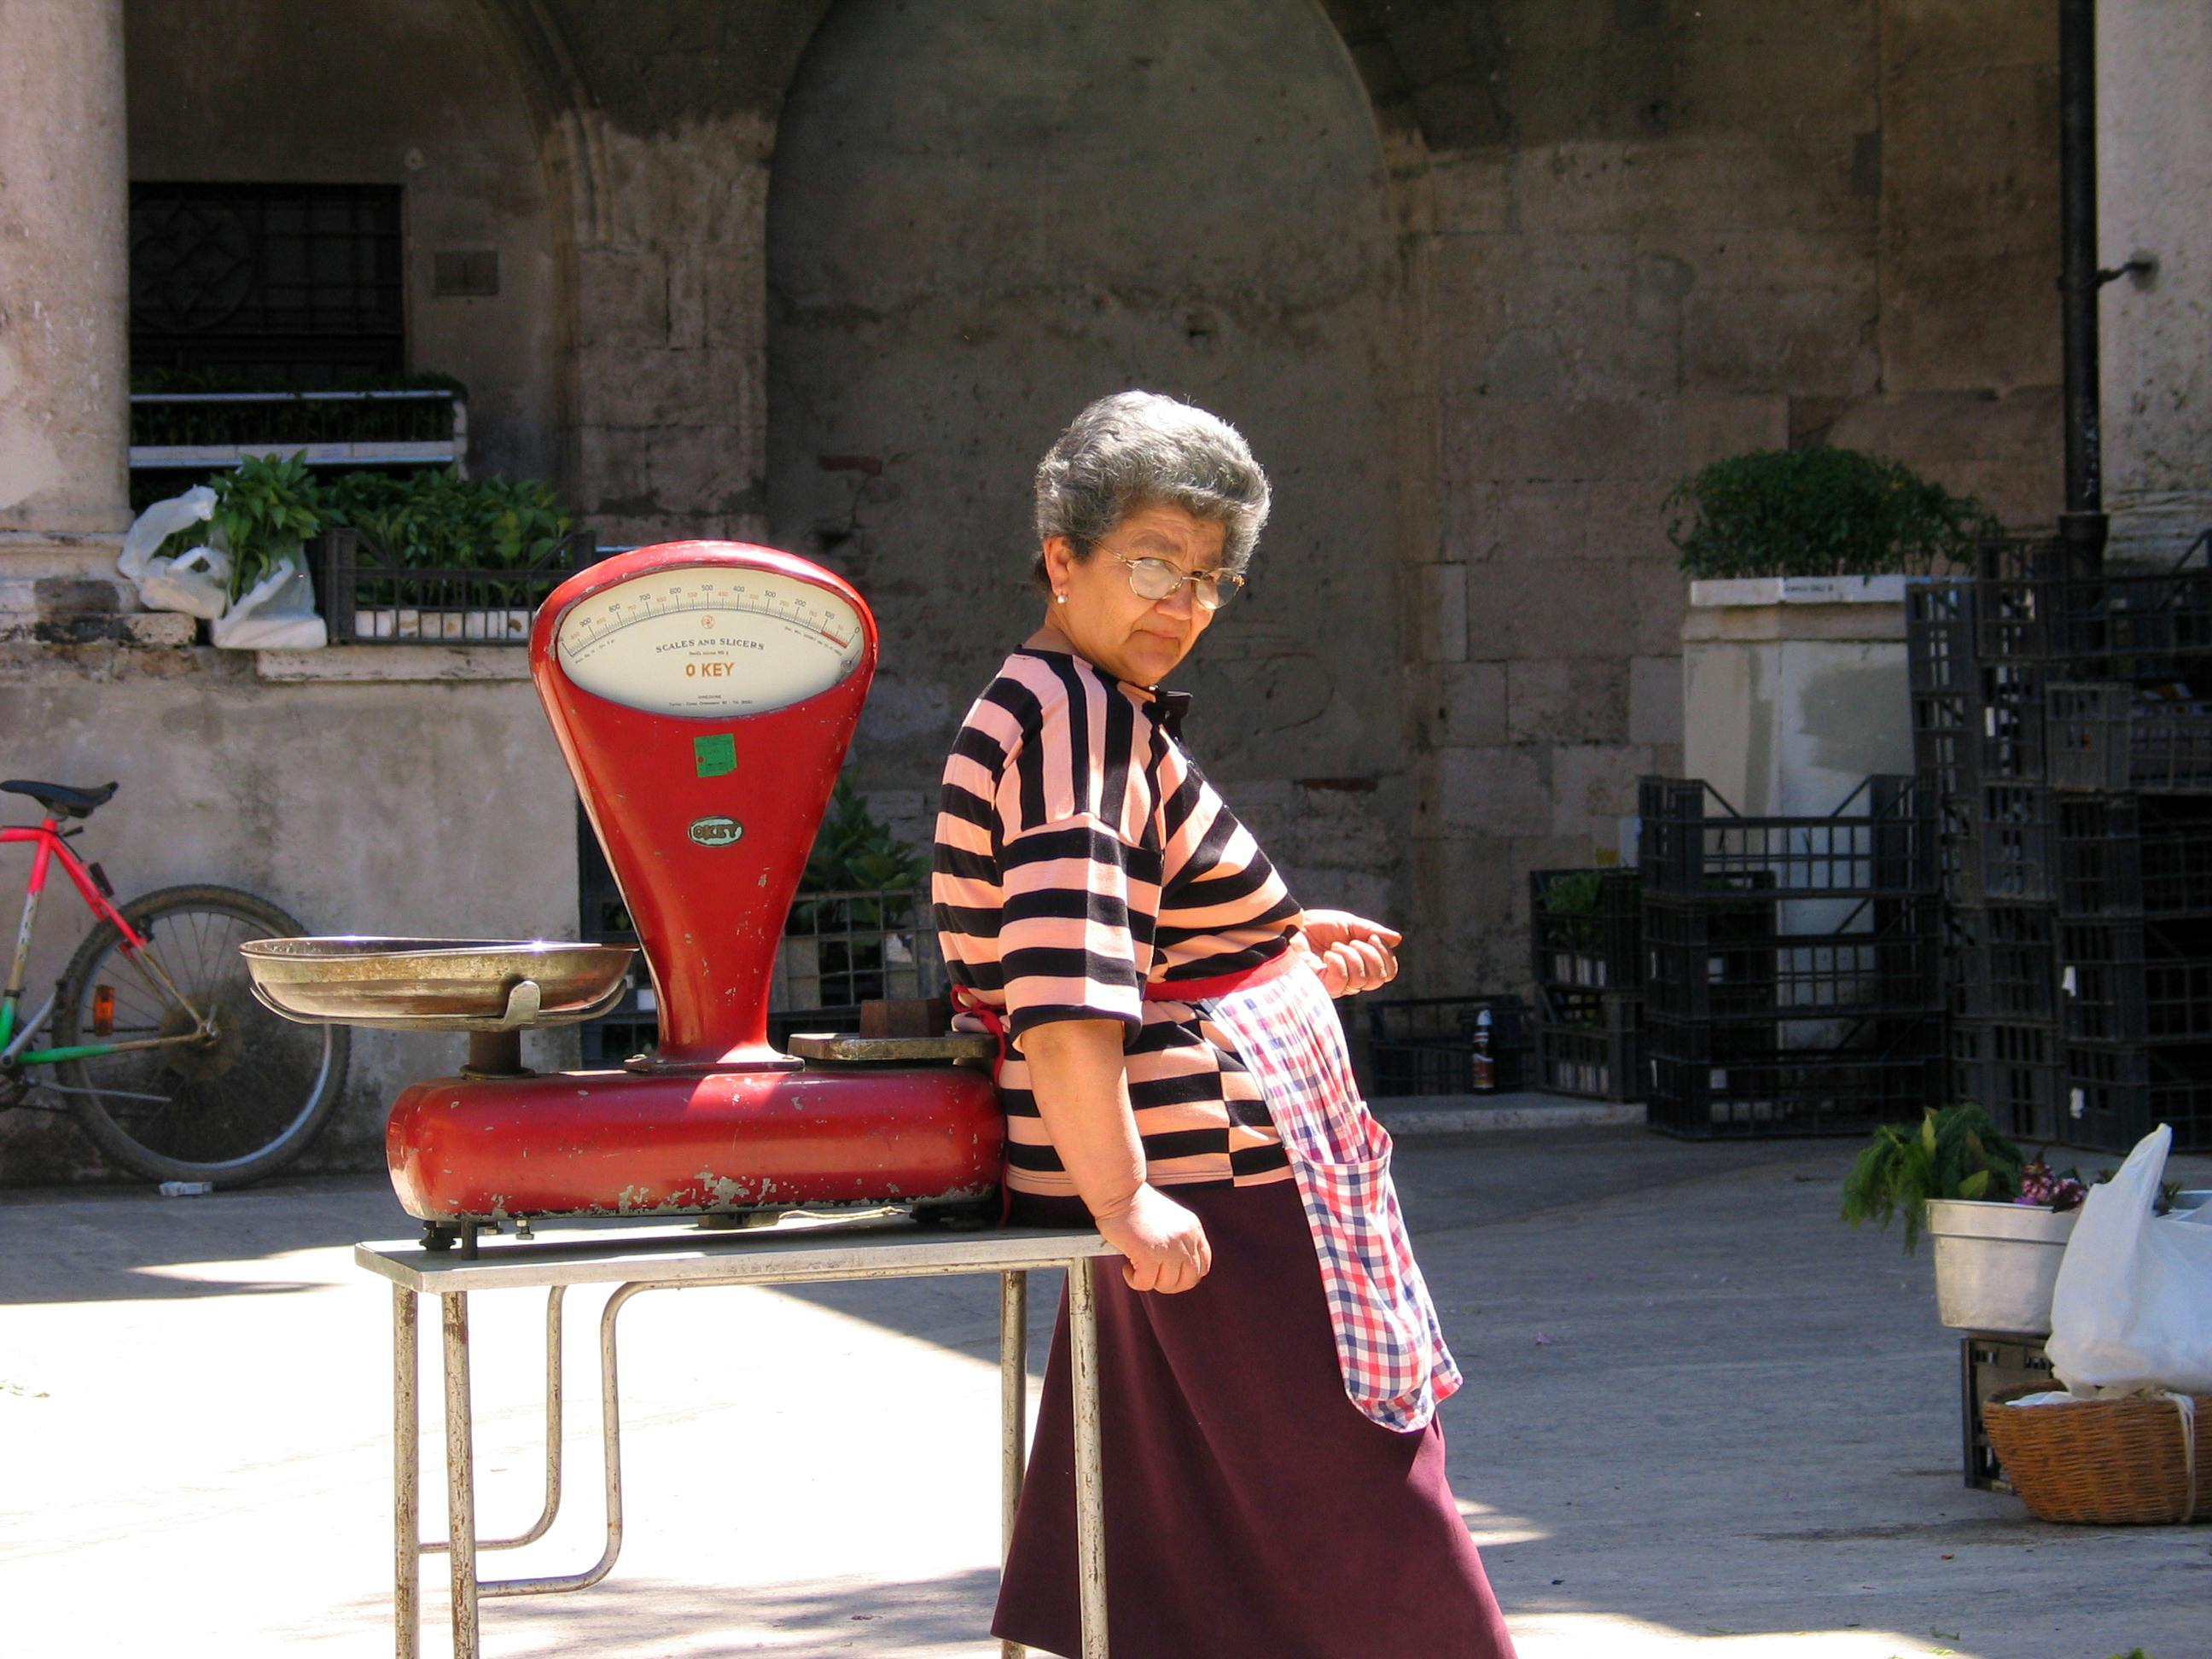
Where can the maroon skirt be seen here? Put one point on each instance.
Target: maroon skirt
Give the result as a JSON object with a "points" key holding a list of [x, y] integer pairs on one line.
{"points": [[1252, 1511]]}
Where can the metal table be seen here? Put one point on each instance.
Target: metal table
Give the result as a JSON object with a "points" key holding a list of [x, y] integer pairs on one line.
{"points": [[668, 1259]]}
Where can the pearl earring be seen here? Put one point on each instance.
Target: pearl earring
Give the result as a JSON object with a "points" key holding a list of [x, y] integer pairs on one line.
{"points": [[1060, 599]]}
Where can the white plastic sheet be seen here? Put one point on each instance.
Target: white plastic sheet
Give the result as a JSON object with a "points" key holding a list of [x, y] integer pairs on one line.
{"points": [[278, 613], [195, 581], [2133, 1306]]}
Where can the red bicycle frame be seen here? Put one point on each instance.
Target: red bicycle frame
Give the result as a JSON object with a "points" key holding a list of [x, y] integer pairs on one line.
{"points": [[48, 839]]}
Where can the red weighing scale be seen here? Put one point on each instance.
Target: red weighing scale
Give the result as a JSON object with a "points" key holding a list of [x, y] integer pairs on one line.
{"points": [[704, 694]]}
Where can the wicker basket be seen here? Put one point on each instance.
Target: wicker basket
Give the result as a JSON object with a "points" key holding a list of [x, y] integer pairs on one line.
{"points": [[2103, 1461]]}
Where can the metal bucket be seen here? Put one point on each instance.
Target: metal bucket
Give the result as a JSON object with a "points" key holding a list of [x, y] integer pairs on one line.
{"points": [[1996, 1264]]}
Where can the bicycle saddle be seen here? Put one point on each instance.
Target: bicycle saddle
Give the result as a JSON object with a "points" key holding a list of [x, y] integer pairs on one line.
{"points": [[59, 799]]}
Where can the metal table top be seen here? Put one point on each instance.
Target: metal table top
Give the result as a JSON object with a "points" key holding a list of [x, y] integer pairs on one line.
{"points": [[785, 1254]]}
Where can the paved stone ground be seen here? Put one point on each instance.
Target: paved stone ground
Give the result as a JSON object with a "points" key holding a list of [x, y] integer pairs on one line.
{"points": [[1704, 1416]]}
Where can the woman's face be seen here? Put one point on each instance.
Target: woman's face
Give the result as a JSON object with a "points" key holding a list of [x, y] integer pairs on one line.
{"points": [[1134, 639]]}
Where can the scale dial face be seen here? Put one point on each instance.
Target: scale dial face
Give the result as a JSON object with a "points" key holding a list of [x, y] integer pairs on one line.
{"points": [[710, 640]]}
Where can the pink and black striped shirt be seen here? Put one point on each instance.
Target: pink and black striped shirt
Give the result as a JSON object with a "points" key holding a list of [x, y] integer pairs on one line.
{"points": [[1083, 865]]}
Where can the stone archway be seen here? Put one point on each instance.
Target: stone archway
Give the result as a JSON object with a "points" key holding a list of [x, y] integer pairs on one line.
{"points": [[982, 216]]}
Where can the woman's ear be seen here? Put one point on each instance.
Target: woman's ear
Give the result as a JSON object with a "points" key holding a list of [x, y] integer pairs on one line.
{"points": [[1059, 561]]}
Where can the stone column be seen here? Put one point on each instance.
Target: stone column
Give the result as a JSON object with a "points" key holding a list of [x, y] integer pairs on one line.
{"points": [[65, 295], [2153, 161]]}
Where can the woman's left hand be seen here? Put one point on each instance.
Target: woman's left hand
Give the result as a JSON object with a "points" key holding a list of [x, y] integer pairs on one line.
{"points": [[1351, 953]]}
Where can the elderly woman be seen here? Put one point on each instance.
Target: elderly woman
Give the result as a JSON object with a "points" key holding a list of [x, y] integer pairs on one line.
{"points": [[1172, 1071]]}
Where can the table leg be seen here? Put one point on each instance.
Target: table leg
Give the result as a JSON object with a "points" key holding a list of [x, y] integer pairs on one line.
{"points": [[1013, 1412], [406, 1477], [460, 1475], [1090, 1502]]}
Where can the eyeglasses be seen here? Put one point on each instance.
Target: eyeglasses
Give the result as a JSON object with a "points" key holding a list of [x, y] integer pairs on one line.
{"points": [[1157, 578]]}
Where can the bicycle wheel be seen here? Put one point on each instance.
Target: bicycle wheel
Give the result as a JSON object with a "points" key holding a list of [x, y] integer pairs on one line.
{"points": [[230, 1109]]}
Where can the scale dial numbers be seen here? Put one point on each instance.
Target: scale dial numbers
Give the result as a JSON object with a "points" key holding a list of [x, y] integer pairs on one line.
{"points": [[707, 640]]}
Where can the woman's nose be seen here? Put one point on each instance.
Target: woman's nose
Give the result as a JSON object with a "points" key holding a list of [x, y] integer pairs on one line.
{"points": [[1178, 602]]}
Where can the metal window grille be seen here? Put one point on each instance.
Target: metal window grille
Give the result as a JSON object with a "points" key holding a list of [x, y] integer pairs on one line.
{"points": [[280, 285]]}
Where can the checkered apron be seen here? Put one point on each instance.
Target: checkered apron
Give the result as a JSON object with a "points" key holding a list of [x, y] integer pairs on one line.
{"points": [[1389, 1343]]}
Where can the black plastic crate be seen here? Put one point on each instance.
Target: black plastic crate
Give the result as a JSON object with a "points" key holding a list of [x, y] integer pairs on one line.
{"points": [[2010, 855], [2010, 1068], [2007, 720], [2145, 855], [1939, 635], [2114, 736], [1433, 1045], [1598, 943], [1878, 842], [2023, 589], [1591, 1045], [2143, 626], [366, 599], [1711, 1083], [1954, 832], [1988, 1365], [1730, 961], [1945, 743], [2128, 979], [2009, 969], [2118, 1093]]}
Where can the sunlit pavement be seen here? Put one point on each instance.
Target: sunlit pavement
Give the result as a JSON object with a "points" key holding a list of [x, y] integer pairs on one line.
{"points": [[1702, 1415]]}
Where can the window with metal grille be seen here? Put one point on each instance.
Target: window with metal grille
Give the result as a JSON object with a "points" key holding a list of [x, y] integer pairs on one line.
{"points": [[291, 285]]}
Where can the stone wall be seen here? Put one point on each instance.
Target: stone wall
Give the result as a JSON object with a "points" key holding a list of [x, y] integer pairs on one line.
{"points": [[1482, 279], [372, 789]]}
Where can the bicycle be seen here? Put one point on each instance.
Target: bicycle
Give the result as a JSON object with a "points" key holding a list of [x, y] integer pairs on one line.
{"points": [[168, 1060]]}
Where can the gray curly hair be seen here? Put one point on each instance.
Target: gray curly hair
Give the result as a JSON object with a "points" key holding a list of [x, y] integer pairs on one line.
{"points": [[1140, 449]]}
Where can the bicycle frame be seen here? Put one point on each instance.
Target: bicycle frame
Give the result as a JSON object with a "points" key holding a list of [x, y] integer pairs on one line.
{"points": [[136, 949]]}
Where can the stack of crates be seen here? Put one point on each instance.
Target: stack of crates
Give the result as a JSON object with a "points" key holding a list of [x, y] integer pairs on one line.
{"points": [[1586, 940], [1445, 1045], [2078, 856], [1791, 981]]}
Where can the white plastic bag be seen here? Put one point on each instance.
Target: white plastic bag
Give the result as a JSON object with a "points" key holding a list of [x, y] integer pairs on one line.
{"points": [[278, 613], [197, 582], [158, 523], [2133, 1307]]}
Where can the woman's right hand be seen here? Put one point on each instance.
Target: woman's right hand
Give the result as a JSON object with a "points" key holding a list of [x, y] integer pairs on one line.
{"points": [[1164, 1244]]}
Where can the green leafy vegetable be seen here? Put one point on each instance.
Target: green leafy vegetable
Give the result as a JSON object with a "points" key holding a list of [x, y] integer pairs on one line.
{"points": [[1957, 1153], [1819, 513]]}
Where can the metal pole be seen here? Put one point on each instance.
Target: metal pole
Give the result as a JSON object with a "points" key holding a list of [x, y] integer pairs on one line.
{"points": [[1013, 1412], [1090, 1502], [460, 1474], [2083, 525], [406, 1477]]}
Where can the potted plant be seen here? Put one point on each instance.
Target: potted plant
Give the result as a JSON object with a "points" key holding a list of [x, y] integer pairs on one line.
{"points": [[1792, 645], [1999, 1220], [437, 557], [854, 924]]}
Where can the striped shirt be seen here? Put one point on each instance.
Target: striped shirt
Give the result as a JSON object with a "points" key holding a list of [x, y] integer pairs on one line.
{"points": [[1083, 865]]}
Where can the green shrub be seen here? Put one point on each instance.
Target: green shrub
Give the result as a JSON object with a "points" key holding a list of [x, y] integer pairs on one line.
{"points": [[1819, 513], [1957, 1153]]}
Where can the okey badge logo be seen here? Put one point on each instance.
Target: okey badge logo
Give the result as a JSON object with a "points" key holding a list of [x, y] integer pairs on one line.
{"points": [[717, 832]]}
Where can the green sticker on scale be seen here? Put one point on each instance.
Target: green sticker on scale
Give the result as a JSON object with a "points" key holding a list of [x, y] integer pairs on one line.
{"points": [[716, 756]]}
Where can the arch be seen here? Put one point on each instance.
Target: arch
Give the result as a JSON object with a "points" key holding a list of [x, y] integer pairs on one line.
{"points": [[1259, 262]]}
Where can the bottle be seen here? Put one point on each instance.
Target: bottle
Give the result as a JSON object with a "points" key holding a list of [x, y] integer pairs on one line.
{"points": [[1482, 1074], [185, 1188]]}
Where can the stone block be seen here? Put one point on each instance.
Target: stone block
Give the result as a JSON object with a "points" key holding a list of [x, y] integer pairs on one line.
{"points": [[621, 298], [1547, 608], [1594, 786], [634, 388], [1658, 596], [1655, 700], [1555, 440], [1441, 626], [1489, 792], [1714, 428], [1519, 522], [1470, 191], [1806, 341], [1460, 705], [2008, 338], [1567, 701]]}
